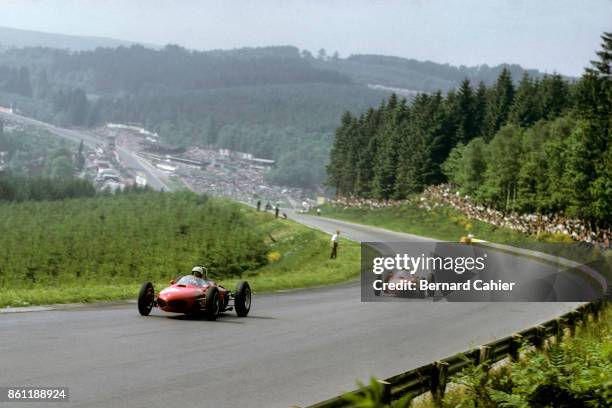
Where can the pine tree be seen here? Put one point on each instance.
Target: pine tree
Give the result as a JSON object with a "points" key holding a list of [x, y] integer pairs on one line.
{"points": [[603, 66], [554, 96], [368, 148], [480, 108], [499, 104], [411, 161], [593, 101], [438, 138], [467, 126], [526, 107], [338, 154], [385, 161]]}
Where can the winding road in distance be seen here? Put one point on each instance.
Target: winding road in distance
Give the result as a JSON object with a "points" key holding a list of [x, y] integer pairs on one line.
{"points": [[155, 178], [295, 348]]}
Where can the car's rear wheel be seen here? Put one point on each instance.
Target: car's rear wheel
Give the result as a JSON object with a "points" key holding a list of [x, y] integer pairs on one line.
{"points": [[212, 303], [146, 298], [242, 299]]}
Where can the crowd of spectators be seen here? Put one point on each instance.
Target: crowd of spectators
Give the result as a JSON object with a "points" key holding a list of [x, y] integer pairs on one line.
{"points": [[229, 174], [533, 224], [225, 173], [364, 203]]}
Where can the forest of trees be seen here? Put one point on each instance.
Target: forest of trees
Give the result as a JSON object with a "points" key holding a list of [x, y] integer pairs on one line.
{"points": [[415, 75], [33, 153], [186, 88], [15, 80], [21, 188], [542, 145]]}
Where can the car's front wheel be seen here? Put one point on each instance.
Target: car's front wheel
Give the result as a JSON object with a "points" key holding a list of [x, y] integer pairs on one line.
{"points": [[212, 303], [242, 299], [146, 298]]}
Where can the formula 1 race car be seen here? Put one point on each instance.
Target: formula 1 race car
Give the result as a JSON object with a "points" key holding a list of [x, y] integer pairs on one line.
{"points": [[396, 284], [193, 295]]}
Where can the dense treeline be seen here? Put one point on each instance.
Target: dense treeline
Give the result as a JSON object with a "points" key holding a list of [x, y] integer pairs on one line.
{"points": [[125, 237], [397, 149], [540, 145], [110, 83], [20, 188], [15, 80], [416, 75], [136, 68], [31, 152]]}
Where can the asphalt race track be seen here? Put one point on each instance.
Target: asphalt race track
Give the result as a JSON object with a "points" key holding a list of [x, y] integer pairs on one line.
{"points": [[295, 348]]}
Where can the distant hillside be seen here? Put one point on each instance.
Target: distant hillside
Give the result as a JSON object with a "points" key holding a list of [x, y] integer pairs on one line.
{"points": [[13, 37], [410, 74], [268, 101]]}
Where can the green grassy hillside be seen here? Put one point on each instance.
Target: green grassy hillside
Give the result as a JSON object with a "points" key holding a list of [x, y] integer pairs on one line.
{"points": [[103, 248], [442, 222]]}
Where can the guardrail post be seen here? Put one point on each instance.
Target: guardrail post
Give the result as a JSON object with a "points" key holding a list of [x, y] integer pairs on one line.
{"points": [[515, 345], [483, 354], [559, 327], [539, 340], [595, 309], [571, 324], [386, 392], [437, 383], [585, 312]]}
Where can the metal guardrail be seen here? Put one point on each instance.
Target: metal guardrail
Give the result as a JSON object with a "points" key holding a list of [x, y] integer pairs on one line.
{"points": [[433, 377]]}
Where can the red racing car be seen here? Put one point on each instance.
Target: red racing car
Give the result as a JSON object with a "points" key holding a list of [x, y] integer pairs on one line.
{"points": [[399, 277], [193, 295]]}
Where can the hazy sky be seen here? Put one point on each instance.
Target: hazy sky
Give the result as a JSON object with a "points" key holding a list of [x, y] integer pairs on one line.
{"points": [[551, 35]]}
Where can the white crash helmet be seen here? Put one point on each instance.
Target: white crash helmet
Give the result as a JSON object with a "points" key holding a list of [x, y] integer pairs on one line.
{"points": [[198, 271]]}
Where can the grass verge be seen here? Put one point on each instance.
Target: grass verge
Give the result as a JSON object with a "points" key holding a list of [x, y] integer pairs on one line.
{"points": [[303, 262], [443, 222], [298, 257]]}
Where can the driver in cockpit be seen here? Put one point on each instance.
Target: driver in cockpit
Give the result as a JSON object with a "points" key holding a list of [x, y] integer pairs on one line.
{"points": [[198, 271]]}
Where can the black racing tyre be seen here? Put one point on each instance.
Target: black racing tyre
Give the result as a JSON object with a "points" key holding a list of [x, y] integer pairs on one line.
{"points": [[242, 299], [146, 298], [212, 303]]}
